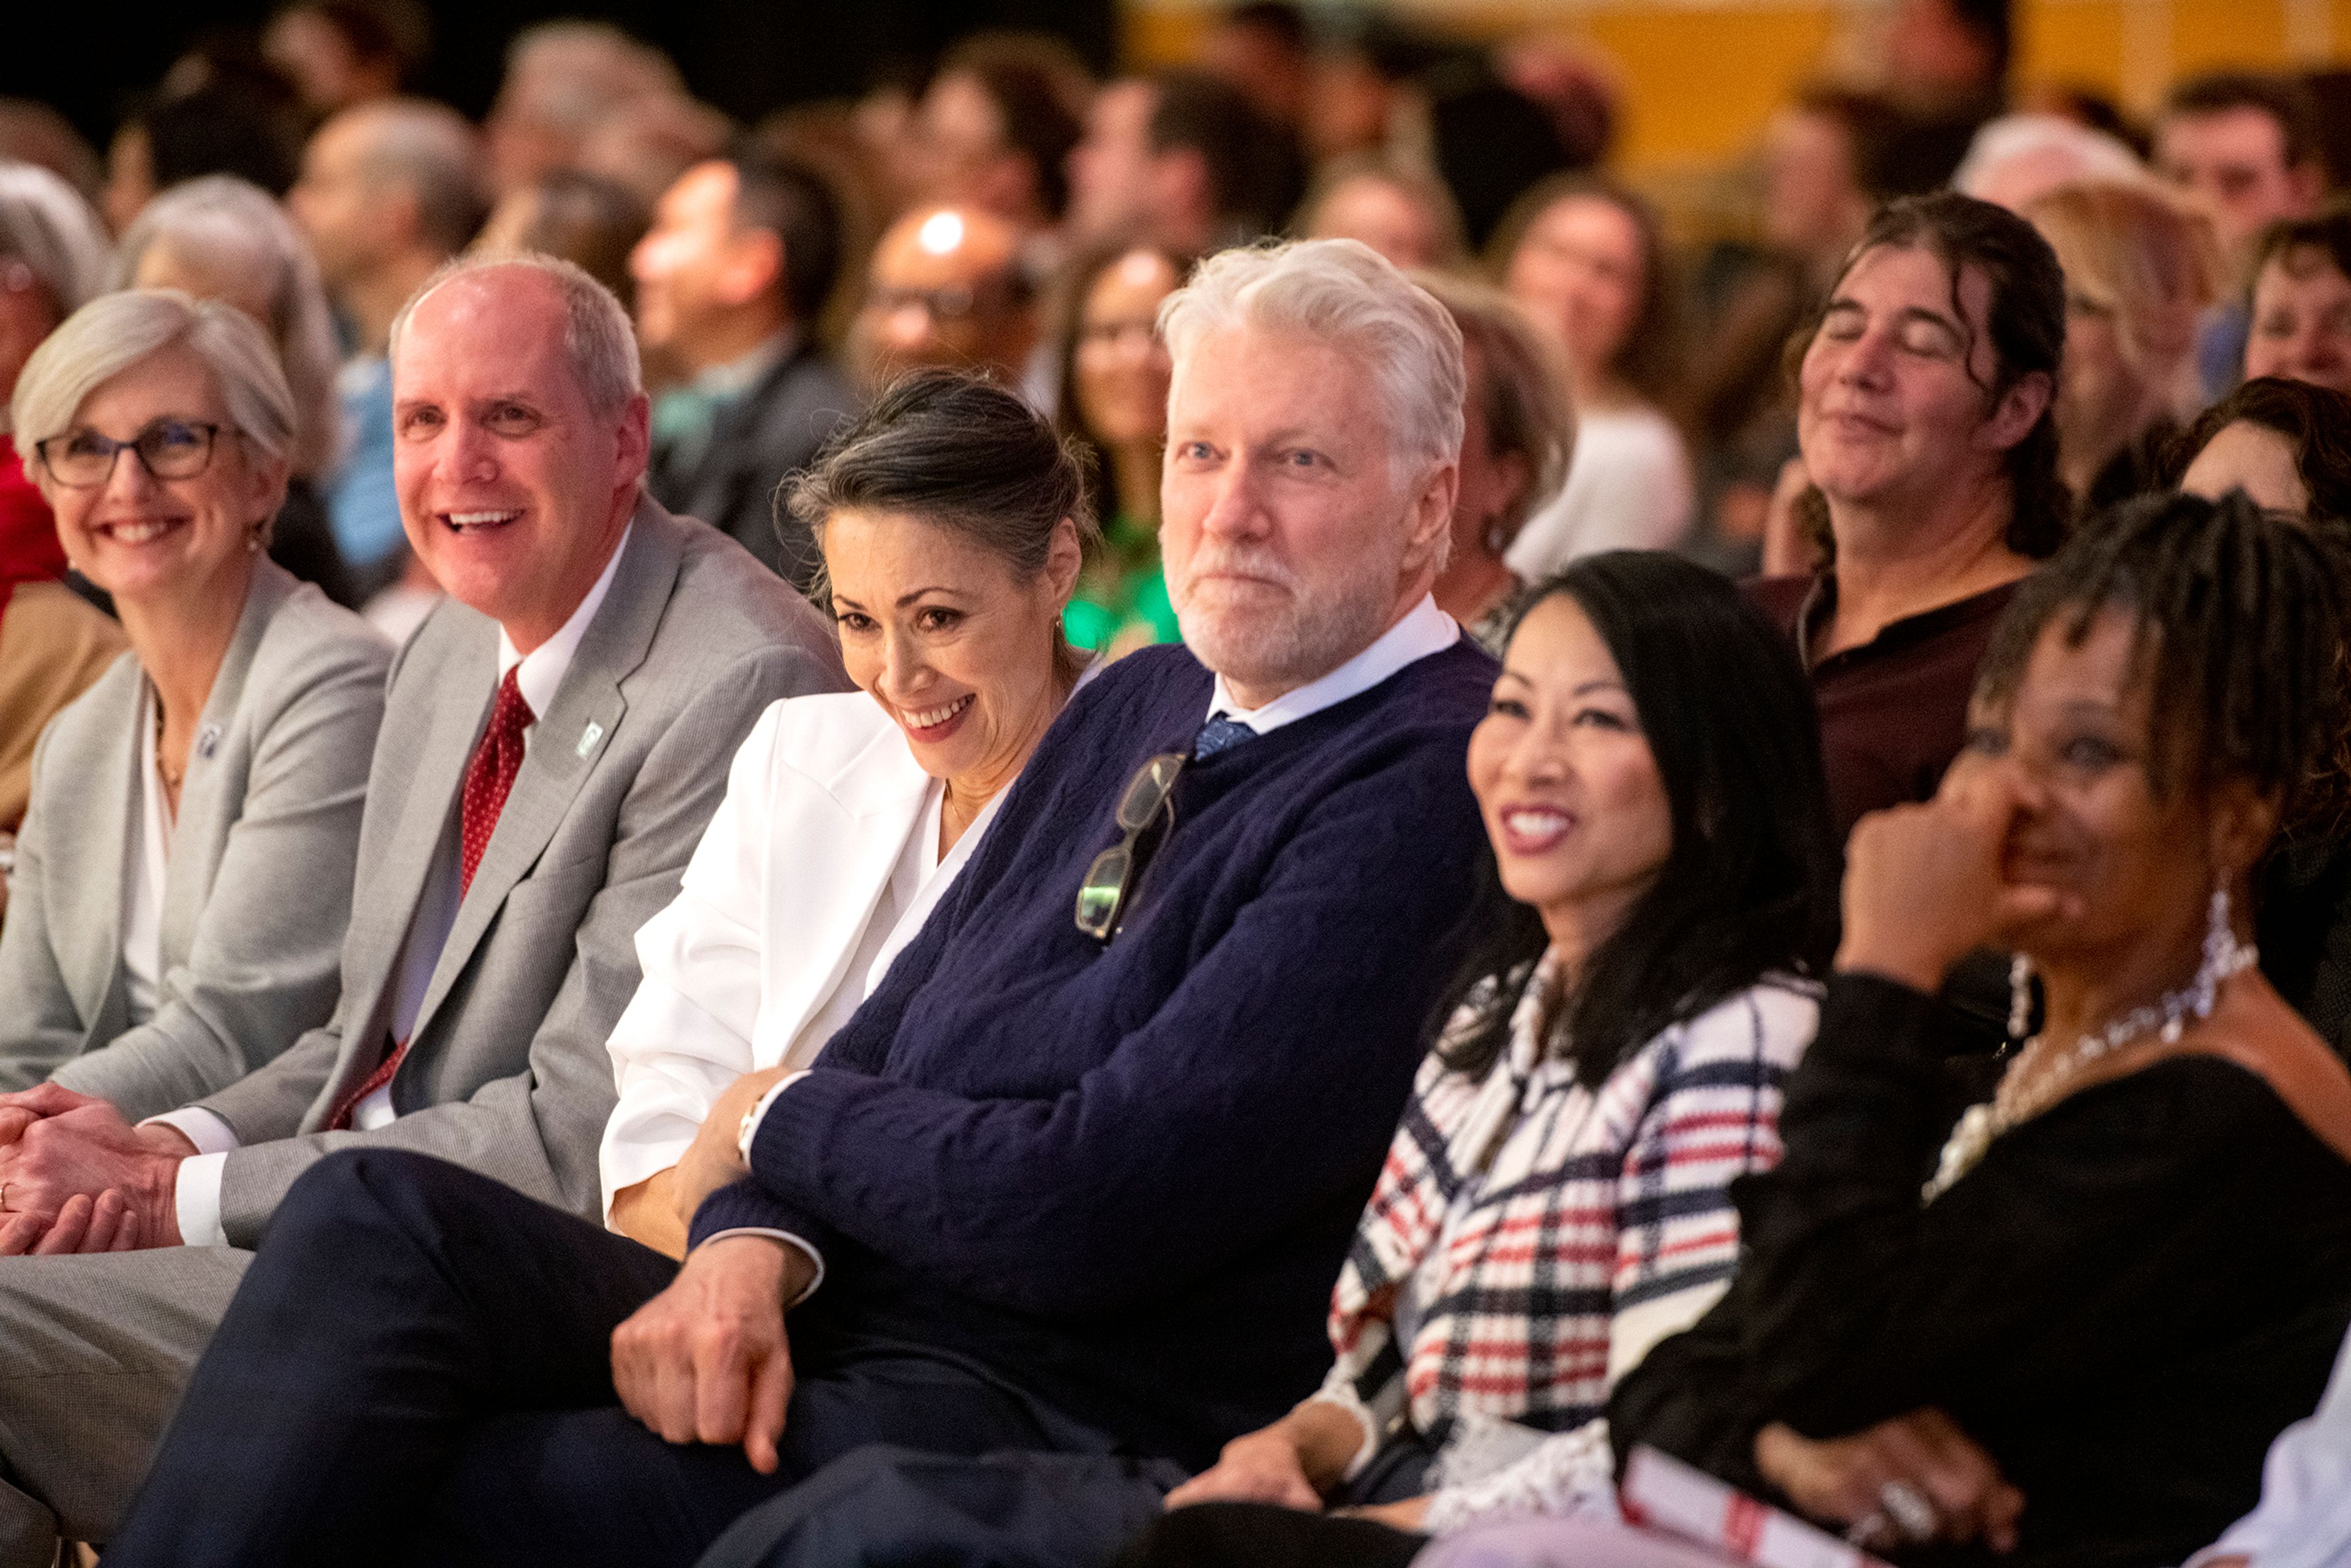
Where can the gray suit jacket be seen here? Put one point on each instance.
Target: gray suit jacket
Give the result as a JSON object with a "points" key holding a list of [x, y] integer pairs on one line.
{"points": [[260, 879], [507, 1070]]}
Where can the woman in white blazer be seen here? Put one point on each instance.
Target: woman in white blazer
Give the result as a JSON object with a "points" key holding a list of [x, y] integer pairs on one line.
{"points": [[184, 873], [953, 522]]}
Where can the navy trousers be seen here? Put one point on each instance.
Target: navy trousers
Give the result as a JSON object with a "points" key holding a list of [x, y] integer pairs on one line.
{"points": [[417, 1370]]}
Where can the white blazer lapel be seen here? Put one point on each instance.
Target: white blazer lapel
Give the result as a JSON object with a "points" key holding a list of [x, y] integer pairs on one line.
{"points": [[832, 846]]}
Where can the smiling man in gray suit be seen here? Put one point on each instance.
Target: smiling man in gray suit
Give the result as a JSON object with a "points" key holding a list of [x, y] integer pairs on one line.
{"points": [[554, 739]]}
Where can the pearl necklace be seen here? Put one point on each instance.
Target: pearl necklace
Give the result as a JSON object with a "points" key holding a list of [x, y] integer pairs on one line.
{"points": [[2017, 1101]]}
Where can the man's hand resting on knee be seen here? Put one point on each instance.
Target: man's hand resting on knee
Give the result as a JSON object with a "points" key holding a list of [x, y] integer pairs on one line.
{"points": [[706, 1360], [76, 1177]]}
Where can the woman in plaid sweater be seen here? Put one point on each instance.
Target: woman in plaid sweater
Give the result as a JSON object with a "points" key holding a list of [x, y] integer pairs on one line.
{"points": [[1556, 1199]]}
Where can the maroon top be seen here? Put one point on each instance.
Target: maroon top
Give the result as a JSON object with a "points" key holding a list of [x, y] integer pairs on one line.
{"points": [[1894, 711]]}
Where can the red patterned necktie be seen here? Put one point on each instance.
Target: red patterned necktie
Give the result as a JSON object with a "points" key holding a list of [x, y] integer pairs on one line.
{"points": [[489, 777]]}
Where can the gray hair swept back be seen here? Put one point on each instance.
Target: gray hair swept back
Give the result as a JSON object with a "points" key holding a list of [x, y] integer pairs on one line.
{"points": [[115, 332], [1344, 293], [596, 336], [223, 227]]}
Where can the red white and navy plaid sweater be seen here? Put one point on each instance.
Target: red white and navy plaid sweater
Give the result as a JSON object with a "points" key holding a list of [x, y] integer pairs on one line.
{"points": [[1529, 1238]]}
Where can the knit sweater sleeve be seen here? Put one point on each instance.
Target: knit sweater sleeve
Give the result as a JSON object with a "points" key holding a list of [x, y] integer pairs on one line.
{"points": [[1187, 1129], [1715, 1117]]}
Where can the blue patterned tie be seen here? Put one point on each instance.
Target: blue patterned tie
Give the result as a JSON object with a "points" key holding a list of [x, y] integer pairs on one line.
{"points": [[1219, 734]]}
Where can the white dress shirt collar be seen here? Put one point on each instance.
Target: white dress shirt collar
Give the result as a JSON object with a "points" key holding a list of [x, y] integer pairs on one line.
{"points": [[541, 675], [1423, 630]]}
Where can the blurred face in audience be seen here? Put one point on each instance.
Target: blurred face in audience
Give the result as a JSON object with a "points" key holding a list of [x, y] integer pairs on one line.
{"points": [[2233, 163], [1579, 272], [2075, 743], [1384, 215], [1110, 169], [1491, 482], [696, 268], [340, 206], [512, 487], [1893, 401], [2252, 457], [318, 58], [1810, 200], [944, 290], [147, 540], [955, 642], [1570, 794], [2302, 320], [1121, 364], [1293, 535], [959, 152], [162, 267]]}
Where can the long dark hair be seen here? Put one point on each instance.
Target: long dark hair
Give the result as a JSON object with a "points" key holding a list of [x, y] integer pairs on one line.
{"points": [[1751, 885]]}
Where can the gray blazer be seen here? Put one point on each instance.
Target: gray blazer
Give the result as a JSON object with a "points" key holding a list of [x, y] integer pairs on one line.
{"points": [[260, 879], [507, 1070]]}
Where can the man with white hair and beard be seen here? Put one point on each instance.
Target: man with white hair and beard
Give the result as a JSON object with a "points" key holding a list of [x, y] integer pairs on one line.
{"points": [[1075, 1178]]}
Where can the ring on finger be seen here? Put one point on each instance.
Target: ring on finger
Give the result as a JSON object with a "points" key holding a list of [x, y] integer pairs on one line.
{"points": [[1873, 1532], [1912, 1513]]}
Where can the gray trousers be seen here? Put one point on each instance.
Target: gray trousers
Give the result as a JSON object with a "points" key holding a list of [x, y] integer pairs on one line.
{"points": [[93, 1354]]}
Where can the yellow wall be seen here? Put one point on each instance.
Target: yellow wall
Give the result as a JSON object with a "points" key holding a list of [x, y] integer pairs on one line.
{"points": [[1701, 76]]}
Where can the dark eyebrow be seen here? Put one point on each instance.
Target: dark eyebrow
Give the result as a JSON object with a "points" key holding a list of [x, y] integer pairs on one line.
{"points": [[906, 598], [1590, 686]]}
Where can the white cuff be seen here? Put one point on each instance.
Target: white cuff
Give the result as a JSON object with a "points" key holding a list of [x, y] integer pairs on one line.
{"points": [[201, 1127], [196, 1196], [750, 1130], [788, 1239]]}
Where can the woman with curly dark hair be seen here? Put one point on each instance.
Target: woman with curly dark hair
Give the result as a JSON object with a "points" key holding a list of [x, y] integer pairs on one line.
{"points": [[1926, 412]]}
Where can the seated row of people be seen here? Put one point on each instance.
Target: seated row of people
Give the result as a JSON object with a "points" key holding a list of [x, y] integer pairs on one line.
{"points": [[935, 1048]]}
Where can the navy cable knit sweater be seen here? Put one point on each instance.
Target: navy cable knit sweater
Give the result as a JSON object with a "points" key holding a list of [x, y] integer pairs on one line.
{"points": [[1123, 1177]]}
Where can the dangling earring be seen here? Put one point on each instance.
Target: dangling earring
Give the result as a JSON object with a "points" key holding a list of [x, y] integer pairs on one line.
{"points": [[2020, 996], [2223, 957]]}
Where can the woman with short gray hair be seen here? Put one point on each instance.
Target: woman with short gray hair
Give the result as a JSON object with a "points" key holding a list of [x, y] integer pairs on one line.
{"points": [[220, 237], [183, 877]]}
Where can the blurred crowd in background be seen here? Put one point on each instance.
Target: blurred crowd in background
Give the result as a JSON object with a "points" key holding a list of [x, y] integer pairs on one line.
{"points": [[1004, 207]]}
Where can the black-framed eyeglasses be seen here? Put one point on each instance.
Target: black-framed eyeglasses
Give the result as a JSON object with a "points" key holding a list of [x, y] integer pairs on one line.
{"points": [[1118, 869], [168, 448]]}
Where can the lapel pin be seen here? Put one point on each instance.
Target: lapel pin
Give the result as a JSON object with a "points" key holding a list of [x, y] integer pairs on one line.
{"points": [[208, 740], [590, 736]]}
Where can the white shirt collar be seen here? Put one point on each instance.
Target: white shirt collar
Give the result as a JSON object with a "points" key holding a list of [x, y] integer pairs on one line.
{"points": [[541, 675], [1423, 630]]}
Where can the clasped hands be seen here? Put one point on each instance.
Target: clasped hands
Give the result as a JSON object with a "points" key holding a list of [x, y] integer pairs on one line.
{"points": [[76, 1177]]}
